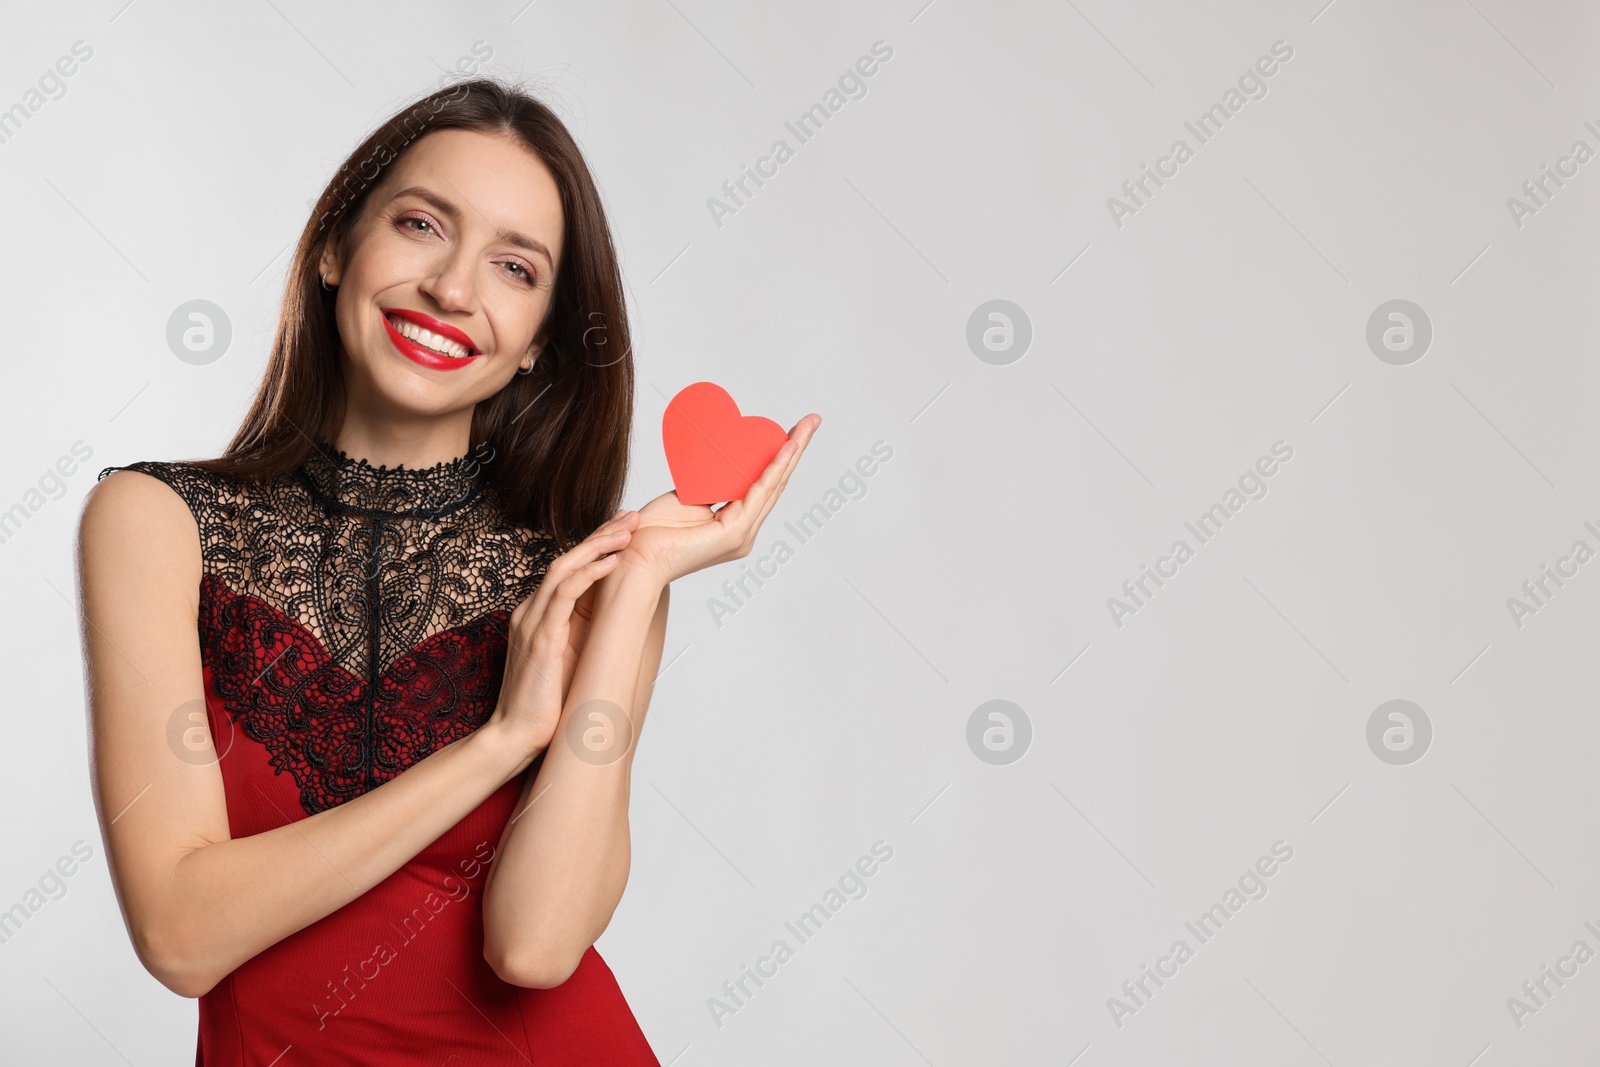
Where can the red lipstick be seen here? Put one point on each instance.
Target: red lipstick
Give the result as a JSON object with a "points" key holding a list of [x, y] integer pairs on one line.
{"points": [[420, 353]]}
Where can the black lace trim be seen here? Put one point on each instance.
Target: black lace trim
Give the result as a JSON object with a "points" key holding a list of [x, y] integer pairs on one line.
{"points": [[353, 617], [342, 481], [339, 734]]}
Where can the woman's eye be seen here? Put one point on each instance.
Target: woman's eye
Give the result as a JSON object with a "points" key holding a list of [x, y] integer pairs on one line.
{"points": [[424, 226], [525, 274]]}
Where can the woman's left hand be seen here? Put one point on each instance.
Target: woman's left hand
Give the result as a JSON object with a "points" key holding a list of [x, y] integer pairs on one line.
{"points": [[548, 631], [675, 539]]}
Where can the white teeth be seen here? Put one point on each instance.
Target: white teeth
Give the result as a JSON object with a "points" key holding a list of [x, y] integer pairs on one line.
{"points": [[428, 339]]}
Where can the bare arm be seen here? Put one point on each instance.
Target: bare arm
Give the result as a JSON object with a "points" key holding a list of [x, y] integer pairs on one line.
{"points": [[197, 903], [563, 859]]}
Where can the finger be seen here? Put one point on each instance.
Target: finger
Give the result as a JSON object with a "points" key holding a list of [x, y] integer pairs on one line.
{"points": [[799, 438], [767, 480], [764, 493], [540, 625], [736, 516], [549, 637], [584, 552], [576, 584], [603, 536], [619, 519], [771, 499], [597, 545], [802, 438], [565, 604], [550, 630]]}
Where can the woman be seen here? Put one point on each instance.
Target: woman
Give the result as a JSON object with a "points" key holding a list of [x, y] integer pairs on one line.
{"points": [[377, 812]]}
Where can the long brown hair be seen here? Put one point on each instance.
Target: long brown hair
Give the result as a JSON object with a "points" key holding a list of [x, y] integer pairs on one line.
{"points": [[558, 437]]}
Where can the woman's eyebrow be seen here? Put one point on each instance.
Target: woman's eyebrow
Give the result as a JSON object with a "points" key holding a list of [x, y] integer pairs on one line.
{"points": [[445, 207]]}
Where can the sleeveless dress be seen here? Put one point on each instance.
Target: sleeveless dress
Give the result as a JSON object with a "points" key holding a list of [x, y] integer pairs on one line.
{"points": [[353, 620]]}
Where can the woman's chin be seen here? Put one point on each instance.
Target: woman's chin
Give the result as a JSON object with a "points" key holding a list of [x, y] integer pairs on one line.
{"points": [[402, 385]]}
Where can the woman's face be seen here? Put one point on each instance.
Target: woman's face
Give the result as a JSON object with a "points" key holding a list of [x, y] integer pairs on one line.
{"points": [[461, 239]]}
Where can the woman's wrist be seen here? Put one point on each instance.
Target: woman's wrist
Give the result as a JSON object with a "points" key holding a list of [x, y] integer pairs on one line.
{"points": [[500, 746], [634, 573]]}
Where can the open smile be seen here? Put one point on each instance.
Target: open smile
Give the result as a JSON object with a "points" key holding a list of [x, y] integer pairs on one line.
{"points": [[425, 340]]}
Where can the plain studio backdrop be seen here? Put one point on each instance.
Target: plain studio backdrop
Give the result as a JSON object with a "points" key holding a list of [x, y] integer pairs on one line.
{"points": [[1342, 350]]}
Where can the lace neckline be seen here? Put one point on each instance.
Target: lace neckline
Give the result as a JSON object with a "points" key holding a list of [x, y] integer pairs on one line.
{"points": [[348, 483]]}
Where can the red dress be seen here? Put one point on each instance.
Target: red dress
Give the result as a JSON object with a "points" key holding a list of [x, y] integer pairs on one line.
{"points": [[353, 620]]}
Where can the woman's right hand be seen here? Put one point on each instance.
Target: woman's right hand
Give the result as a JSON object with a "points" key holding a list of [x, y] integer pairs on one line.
{"points": [[547, 634], [674, 539]]}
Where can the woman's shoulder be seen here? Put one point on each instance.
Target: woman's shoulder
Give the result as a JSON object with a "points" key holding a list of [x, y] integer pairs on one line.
{"points": [[132, 522], [195, 485], [211, 497]]}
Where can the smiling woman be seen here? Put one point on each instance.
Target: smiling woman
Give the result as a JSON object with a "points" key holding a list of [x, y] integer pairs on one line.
{"points": [[389, 594]]}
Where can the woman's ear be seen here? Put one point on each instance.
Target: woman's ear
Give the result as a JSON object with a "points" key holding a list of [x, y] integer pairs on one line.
{"points": [[328, 265]]}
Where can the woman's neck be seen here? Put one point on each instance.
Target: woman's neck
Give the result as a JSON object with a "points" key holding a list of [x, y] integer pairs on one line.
{"points": [[415, 448]]}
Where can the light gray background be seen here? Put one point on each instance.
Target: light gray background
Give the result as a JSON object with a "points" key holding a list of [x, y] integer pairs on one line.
{"points": [[831, 711]]}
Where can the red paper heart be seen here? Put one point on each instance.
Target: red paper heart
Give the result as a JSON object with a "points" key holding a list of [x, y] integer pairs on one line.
{"points": [[714, 453]]}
